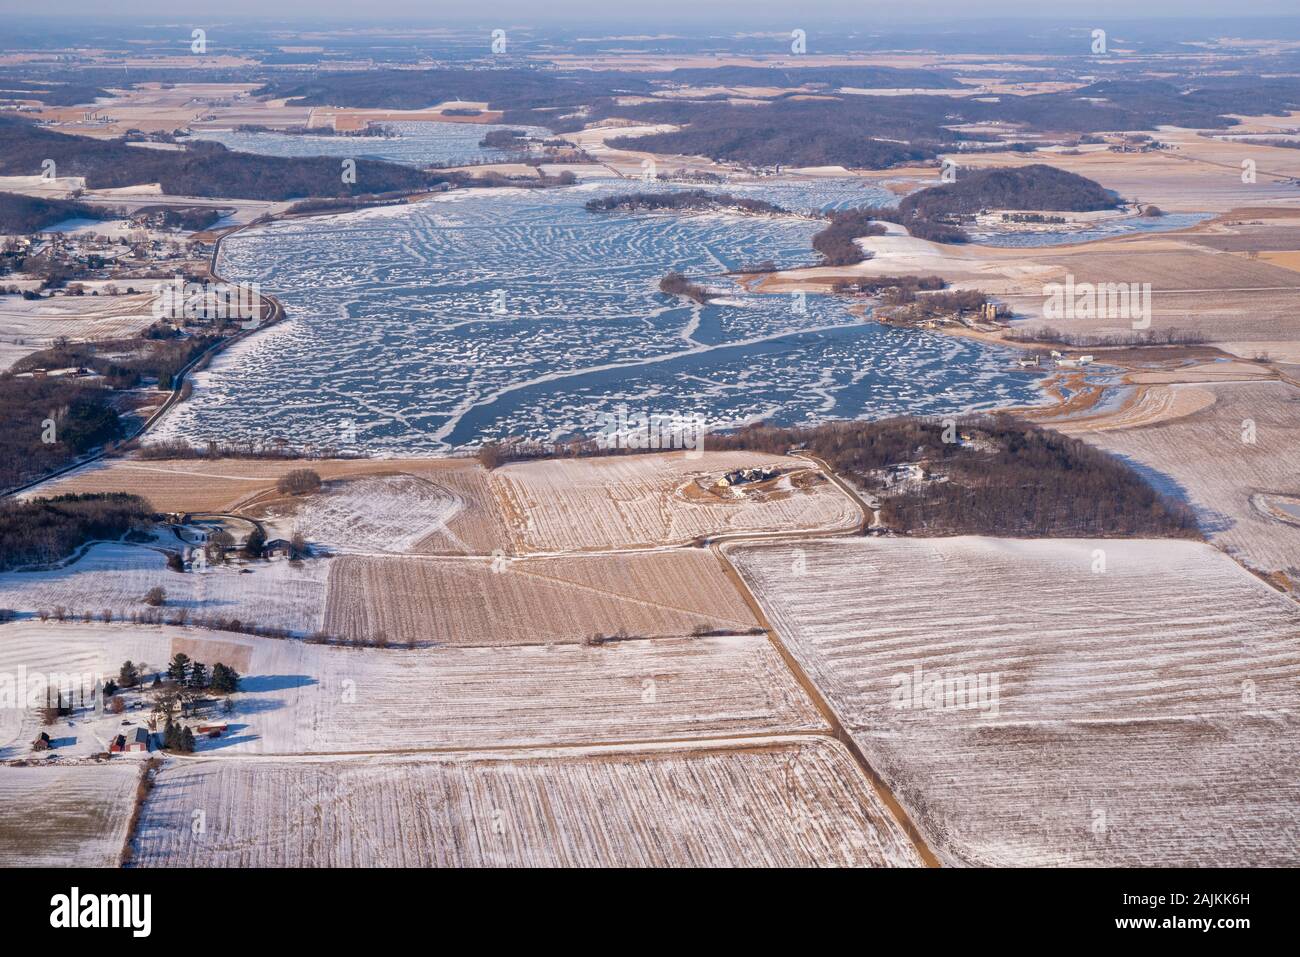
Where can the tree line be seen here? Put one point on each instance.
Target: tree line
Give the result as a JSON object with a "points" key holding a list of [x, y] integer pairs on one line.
{"points": [[200, 169], [45, 530], [1002, 476]]}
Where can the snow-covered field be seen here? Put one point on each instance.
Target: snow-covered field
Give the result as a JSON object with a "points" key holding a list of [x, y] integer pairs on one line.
{"points": [[791, 802], [531, 601], [1246, 443], [387, 513], [28, 325], [116, 576], [1102, 702], [70, 816], [297, 697], [625, 501]]}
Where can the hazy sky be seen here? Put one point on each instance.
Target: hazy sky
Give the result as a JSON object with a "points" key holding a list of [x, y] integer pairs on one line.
{"points": [[661, 13]]}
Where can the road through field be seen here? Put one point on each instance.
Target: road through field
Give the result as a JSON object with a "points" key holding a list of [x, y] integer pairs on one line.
{"points": [[829, 726]]}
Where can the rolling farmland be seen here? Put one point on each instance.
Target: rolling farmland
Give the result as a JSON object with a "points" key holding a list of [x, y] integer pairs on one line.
{"points": [[1071, 699], [531, 601], [791, 802], [389, 513], [297, 697], [1245, 445], [627, 501], [116, 576]]}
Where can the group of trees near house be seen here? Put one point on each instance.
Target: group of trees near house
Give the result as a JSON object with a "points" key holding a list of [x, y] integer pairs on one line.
{"points": [[690, 200], [201, 169], [47, 529], [1012, 478], [193, 218], [183, 672], [907, 306], [185, 681]]}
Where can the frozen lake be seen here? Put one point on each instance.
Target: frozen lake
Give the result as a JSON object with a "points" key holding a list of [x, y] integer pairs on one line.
{"points": [[492, 313], [413, 144]]}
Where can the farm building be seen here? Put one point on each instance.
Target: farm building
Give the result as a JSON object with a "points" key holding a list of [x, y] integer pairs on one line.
{"points": [[139, 740], [42, 742], [277, 546], [118, 744], [741, 476]]}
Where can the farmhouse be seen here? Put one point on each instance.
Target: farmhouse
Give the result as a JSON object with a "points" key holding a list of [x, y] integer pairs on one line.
{"points": [[741, 476]]}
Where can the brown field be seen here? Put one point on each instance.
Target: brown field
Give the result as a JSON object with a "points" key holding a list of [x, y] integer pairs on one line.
{"points": [[531, 601], [248, 485], [1230, 299], [789, 803]]}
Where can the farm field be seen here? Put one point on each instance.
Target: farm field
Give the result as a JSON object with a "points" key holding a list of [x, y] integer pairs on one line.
{"points": [[789, 802], [368, 509], [69, 816], [630, 501], [1115, 718], [531, 601], [114, 577], [1240, 303], [389, 513], [26, 326], [1204, 458], [297, 697]]}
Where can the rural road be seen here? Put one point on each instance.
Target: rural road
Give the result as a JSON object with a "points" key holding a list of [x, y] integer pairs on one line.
{"points": [[275, 314]]}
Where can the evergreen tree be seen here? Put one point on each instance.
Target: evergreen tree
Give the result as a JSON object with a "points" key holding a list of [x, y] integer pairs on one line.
{"points": [[225, 680], [179, 667], [199, 675], [254, 544], [129, 675], [187, 740]]}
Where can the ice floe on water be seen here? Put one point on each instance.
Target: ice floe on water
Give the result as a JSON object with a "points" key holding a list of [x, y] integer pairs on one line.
{"points": [[410, 143], [492, 313], [1075, 233]]}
